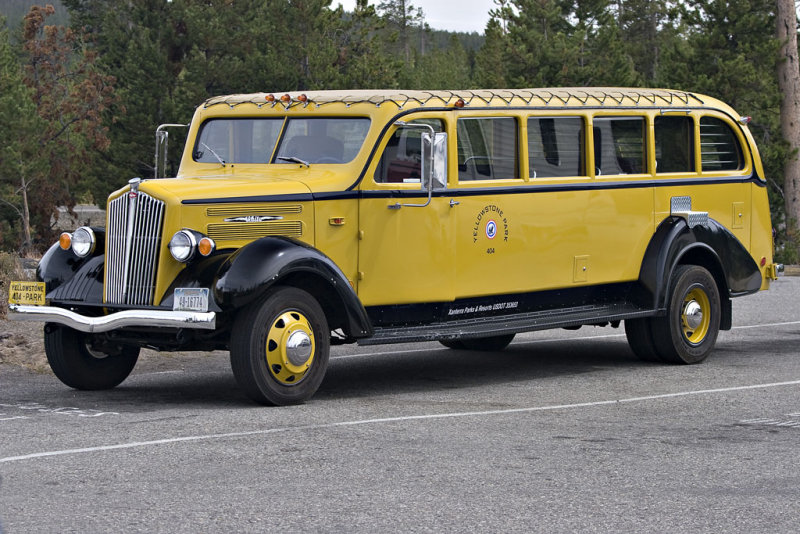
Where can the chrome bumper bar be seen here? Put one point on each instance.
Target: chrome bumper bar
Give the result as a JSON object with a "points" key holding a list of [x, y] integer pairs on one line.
{"points": [[112, 321]]}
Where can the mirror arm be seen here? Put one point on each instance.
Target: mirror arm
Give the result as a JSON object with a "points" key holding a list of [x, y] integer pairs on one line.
{"points": [[162, 136], [432, 132]]}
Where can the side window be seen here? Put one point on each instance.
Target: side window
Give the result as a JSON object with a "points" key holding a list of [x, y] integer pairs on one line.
{"points": [[402, 158], [619, 145], [555, 147], [719, 147], [487, 148], [674, 138]]}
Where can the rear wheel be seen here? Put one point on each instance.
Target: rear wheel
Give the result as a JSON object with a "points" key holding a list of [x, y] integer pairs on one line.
{"points": [[688, 332], [80, 365], [640, 339], [280, 347]]}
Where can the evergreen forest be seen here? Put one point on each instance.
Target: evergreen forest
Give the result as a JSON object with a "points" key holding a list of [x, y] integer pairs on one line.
{"points": [[84, 83]]}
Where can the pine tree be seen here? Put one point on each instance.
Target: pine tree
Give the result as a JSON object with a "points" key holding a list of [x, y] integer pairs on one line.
{"points": [[490, 63]]}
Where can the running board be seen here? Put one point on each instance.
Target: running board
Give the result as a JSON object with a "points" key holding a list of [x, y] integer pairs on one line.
{"points": [[507, 324]]}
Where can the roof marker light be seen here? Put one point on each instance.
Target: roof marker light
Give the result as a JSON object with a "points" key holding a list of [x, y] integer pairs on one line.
{"points": [[286, 98], [270, 98], [460, 103], [302, 98], [745, 120]]}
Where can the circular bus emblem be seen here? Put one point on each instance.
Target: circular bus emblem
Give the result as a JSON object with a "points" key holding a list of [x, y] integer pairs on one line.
{"points": [[491, 229]]}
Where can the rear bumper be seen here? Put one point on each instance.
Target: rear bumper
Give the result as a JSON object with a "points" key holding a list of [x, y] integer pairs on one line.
{"points": [[112, 321]]}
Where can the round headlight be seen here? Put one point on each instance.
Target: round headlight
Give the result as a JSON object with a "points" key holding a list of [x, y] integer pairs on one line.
{"points": [[182, 245], [83, 241]]}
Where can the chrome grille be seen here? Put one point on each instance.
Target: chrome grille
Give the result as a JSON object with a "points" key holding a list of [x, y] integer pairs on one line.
{"points": [[133, 239]]}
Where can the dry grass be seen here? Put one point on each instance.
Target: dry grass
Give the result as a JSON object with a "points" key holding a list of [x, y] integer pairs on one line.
{"points": [[21, 343]]}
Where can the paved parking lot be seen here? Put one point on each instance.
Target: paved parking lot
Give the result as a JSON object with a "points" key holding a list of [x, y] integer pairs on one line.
{"points": [[564, 431]]}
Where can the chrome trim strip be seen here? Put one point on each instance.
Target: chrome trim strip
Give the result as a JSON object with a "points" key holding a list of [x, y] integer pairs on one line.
{"points": [[112, 321]]}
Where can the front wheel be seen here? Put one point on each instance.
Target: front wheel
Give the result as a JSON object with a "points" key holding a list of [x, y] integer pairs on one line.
{"points": [[80, 365], [280, 347], [688, 332]]}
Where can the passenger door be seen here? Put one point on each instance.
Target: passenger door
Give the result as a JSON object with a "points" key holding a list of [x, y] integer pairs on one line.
{"points": [[405, 249]]}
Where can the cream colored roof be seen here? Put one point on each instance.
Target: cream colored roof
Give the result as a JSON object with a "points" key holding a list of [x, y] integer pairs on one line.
{"points": [[565, 96]]}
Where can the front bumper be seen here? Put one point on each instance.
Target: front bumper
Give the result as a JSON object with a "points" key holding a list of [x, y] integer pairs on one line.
{"points": [[112, 321]]}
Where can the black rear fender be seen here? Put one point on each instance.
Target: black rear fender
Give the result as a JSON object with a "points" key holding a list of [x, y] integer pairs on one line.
{"points": [[709, 245]]}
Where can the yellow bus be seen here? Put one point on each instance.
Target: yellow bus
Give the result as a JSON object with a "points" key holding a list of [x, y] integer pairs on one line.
{"points": [[302, 220]]}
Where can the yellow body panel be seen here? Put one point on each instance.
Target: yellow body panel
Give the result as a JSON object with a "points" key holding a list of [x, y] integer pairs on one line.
{"points": [[547, 233]]}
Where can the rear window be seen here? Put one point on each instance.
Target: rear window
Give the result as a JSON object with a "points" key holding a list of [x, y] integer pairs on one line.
{"points": [[674, 144], [555, 147], [619, 145], [719, 147], [487, 148]]}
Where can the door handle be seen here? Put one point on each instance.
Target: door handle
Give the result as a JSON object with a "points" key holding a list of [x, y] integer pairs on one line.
{"points": [[454, 203]]}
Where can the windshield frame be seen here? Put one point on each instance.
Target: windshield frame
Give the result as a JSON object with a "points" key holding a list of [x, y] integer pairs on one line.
{"points": [[216, 156]]}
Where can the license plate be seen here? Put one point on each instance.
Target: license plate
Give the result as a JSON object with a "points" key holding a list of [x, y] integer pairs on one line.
{"points": [[190, 299], [30, 293]]}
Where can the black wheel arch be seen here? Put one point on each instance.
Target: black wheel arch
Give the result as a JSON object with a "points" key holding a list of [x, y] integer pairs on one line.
{"points": [[709, 245], [58, 265], [248, 273]]}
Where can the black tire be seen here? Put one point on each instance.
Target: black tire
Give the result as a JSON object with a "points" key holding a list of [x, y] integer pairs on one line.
{"points": [[266, 359], [79, 366], [688, 332], [488, 344], [455, 344], [640, 339]]}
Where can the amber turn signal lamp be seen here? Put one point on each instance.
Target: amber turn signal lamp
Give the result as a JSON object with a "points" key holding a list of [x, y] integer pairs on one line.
{"points": [[206, 246], [65, 240]]}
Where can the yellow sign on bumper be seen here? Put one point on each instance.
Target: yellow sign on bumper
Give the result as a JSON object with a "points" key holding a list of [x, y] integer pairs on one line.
{"points": [[30, 293]]}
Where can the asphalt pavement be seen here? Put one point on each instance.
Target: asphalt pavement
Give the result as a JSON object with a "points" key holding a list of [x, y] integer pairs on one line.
{"points": [[564, 431]]}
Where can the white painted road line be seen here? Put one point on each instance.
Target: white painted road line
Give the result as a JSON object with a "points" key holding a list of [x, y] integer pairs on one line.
{"points": [[229, 435]]}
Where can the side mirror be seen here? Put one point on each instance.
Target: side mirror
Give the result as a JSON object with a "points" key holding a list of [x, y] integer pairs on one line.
{"points": [[162, 146], [434, 161], [433, 164]]}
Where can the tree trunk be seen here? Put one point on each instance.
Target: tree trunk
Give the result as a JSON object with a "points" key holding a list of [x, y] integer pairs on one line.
{"points": [[26, 218], [789, 84]]}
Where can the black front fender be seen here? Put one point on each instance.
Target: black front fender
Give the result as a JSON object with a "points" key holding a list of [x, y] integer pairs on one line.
{"points": [[248, 273], [58, 265]]}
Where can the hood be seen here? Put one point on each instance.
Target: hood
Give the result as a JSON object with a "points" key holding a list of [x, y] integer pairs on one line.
{"points": [[199, 188]]}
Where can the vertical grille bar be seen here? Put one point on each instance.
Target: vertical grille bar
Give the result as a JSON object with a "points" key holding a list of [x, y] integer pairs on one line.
{"points": [[134, 239]]}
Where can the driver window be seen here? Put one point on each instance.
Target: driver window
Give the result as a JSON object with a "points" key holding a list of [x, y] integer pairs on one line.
{"points": [[401, 161]]}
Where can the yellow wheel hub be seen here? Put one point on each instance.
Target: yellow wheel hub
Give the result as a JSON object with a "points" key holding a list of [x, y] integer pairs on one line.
{"points": [[290, 348], [695, 316]]}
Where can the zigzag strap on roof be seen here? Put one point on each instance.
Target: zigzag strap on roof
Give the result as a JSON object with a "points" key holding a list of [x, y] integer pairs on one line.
{"points": [[568, 96]]}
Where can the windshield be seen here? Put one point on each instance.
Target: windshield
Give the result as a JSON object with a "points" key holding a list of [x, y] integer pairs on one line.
{"points": [[305, 141]]}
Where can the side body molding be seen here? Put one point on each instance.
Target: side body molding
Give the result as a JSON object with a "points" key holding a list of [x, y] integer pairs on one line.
{"points": [[711, 245], [250, 271]]}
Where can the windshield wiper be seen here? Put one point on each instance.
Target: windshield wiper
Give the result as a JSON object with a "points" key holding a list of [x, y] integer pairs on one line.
{"points": [[293, 159], [221, 161]]}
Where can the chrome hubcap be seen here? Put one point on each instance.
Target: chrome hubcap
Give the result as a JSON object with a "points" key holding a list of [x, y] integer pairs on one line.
{"points": [[298, 348], [693, 314]]}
